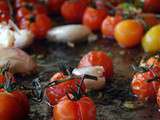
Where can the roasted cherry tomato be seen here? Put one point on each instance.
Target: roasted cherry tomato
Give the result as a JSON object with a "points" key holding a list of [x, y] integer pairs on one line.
{"points": [[13, 106], [73, 11], [151, 41], [150, 19], [55, 6], [129, 33], [21, 3], [141, 85], [151, 6], [93, 18], [98, 58], [82, 109], [4, 11], [109, 24], [55, 93], [30, 9], [38, 25]]}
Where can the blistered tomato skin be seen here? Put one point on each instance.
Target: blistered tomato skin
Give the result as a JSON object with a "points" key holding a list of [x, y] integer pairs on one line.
{"points": [[98, 58], [142, 89], [151, 42], [83, 109], [55, 93]]}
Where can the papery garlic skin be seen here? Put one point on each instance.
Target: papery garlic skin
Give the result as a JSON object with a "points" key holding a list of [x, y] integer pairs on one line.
{"points": [[96, 71], [70, 34], [23, 38], [20, 62]]}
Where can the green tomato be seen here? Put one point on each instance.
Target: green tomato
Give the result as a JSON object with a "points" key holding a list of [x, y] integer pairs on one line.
{"points": [[151, 40]]}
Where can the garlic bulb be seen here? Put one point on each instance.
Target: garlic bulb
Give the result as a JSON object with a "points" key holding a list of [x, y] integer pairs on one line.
{"points": [[96, 71], [20, 62], [23, 38]]}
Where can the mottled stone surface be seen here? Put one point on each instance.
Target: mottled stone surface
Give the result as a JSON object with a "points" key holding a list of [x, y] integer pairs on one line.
{"points": [[109, 101]]}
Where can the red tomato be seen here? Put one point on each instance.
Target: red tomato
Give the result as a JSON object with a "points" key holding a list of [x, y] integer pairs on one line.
{"points": [[57, 92], [4, 11], [83, 109], [145, 90], [39, 25], [151, 5], [73, 11], [109, 24], [13, 106], [87, 2], [98, 58], [93, 18], [21, 3], [55, 5], [28, 10]]}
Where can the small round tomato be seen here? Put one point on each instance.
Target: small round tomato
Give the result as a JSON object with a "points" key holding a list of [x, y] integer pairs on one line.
{"points": [[109, 24], [55, 93], [27, 10], [73, 11], [145, 90], [98, 58], [38, 25], [13, 106], [21, 3], [82, 109], [4, 11], [128, 33], [55, 5], [151, 41], [150, 19], [93, 18], [151, 6]]}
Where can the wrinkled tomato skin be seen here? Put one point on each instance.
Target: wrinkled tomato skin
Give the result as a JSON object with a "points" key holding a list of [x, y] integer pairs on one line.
{"points": [[83, 109], [151, 6], [98, 58], [109, 24], [145, 91], [55, 6], [21, 3], [93, 18], [11, 105], [73, 11], [57, 92], [39, 27]]}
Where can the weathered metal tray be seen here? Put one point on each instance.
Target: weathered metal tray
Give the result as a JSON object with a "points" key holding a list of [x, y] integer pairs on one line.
{"points": [[109, 101]]}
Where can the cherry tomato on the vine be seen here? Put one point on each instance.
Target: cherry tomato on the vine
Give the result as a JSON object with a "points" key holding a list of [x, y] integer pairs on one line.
{"points": [[142, 87], [38, 25], [54, 93], [82, 109]]}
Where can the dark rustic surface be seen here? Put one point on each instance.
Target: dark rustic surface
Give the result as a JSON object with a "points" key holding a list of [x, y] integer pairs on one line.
{"points": [[109, 101]]}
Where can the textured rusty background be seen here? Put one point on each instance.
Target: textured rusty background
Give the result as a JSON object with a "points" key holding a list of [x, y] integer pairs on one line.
{"points": [[109, 101]]}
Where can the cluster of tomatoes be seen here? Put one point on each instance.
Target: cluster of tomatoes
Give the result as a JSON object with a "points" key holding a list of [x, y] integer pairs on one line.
{"points": [[145, 83], [127, 30], [4, 11], [14, 103], [77, 108], [32, 15]]}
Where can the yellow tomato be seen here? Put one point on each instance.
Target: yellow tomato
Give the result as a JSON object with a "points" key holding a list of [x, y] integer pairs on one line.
{"points": [[151, 41]]}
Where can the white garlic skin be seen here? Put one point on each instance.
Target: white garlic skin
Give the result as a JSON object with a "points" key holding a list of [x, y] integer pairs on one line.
{"points": [[96, 71]]}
